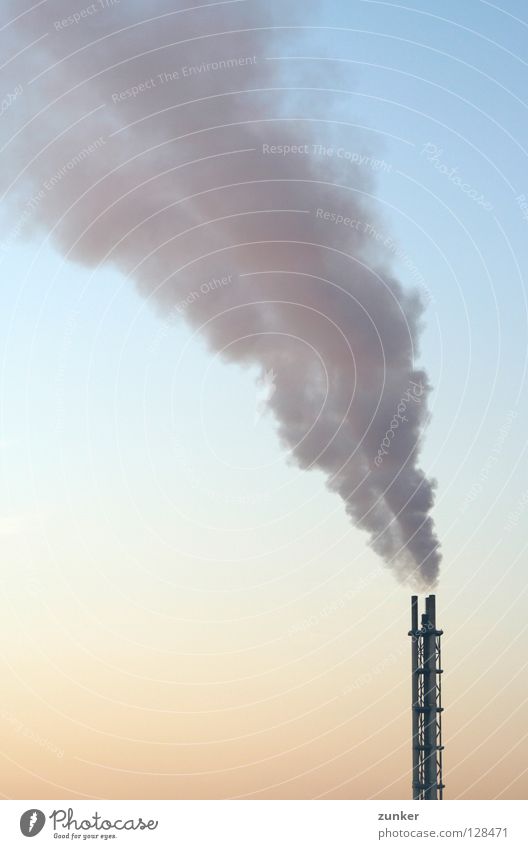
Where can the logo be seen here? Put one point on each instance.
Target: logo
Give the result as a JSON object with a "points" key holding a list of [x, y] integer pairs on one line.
{"points": [[65, 825], [32, 822]]}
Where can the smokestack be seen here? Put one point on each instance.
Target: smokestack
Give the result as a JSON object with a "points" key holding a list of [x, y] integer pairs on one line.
{"points": [[426, 671]]}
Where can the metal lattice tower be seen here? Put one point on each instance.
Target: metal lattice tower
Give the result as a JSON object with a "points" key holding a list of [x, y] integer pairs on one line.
{"points": [[427, 708]]}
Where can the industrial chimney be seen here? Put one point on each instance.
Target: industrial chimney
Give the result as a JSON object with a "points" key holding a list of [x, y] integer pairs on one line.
{"points": [[427, 708]]}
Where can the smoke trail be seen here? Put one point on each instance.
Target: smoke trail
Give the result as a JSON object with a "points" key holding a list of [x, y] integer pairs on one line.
{"points": [[187, 149]]}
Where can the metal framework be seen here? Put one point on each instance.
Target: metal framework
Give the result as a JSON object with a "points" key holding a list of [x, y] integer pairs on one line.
{"points": [[427, 707]]}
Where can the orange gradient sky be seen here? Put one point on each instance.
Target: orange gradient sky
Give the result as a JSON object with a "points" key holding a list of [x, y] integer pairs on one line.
{"points": [[185, 612]]}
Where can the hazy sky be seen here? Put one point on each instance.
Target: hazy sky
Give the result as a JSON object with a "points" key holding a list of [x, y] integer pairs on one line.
{"points": [[186, 612]]}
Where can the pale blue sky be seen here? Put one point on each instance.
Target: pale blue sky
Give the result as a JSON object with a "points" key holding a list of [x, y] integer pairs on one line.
{"points": [[133, 462]]}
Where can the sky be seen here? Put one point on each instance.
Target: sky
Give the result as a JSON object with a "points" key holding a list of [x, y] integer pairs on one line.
{"points": [[186, 612]]}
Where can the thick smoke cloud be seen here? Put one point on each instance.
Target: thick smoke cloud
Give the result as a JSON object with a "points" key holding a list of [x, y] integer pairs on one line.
{"points": [[180, 147]]}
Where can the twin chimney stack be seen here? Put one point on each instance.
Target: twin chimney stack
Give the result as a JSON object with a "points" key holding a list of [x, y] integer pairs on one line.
{"points": [[427, 708]]}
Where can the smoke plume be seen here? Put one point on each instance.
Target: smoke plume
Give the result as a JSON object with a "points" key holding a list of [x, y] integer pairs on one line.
{"points": [[189, 148]]}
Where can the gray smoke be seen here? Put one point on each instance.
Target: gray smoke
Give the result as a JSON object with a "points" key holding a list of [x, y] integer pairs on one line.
{"points": [[181, 148]]}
